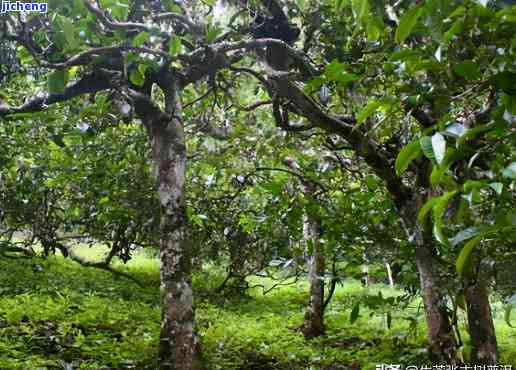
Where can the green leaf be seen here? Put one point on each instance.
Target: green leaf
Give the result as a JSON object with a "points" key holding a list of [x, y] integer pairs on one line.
{"points": [[140, 38], [171, 6], [497, 187], [426, 146], [425, 209], [354, 313], [56, 82], [361, 9], [463, 263], [438, 209], [137, 77], [68, 30], [438, 233], [335, 71], [375, 28], [407, 23], [455, 28], [465, 235], [406, 155], [468, 69], [510, 171], [175, 46], [439, 147], [442, 203], [505, 81], [213, 33], [507, 314], [371, 107]]}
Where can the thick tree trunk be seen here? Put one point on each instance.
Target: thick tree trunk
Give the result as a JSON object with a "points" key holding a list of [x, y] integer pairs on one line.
{"points": [[481, 327], [441, 336], [440, 330], [314, 317], [179, 347]]}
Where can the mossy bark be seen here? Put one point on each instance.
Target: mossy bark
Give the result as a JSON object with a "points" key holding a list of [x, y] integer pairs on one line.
{"points": [[480, 325], [314, 317], [179, 346]]}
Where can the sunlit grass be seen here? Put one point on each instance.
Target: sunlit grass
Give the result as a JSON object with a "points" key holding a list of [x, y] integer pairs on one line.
{"points": [[56, 310]]}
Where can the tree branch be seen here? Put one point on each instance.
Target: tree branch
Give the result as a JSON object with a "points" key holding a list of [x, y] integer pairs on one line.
{"points": [[376, 157], [90, 83]]}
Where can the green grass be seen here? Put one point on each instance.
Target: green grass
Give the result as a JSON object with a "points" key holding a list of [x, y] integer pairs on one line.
{"points": [[55, 311]]}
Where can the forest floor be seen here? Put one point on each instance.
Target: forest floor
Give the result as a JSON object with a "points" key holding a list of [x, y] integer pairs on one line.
{"points": [[56, 314]]}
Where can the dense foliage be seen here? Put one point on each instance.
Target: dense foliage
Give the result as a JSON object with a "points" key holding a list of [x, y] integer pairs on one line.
{"points": [[270, 142]]}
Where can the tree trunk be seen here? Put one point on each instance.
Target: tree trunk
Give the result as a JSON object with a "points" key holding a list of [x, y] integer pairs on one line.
{"points": [[314, 317], [440, 330], [179, 347], [441, 336], [365, 271], [481, 327], [389, 274]]}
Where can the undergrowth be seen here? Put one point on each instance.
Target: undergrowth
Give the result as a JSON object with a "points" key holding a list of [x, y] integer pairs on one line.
{"points": [[56, 314]]}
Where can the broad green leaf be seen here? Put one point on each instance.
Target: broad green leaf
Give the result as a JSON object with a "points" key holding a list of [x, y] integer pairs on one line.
{"points": [[455, 28], [69, 31], [465, 234], [354, 313], [407, 23], [505, 81], [426, 146], [335, 71], [441, 204], [406, 155], [463, 263], [175, 46], [375, 28], [497, 187], [438, 146], [430, 203], [361, 9], [440, 176], [137, 77], [371, 106], [468, 69], [56, 82], [213, 33], [171, 6], [438, 233], [510, 171], [455, 129], [140, 38]]}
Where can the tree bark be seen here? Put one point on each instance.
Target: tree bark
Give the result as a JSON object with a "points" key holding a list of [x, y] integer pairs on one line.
{"points": [[314, 317], [480, 325], [179, 346], [365, 270], [440, 330], [441, 336], [389, 275]]}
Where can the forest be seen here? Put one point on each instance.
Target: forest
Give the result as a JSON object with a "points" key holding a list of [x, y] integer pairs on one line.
{"points": [[258, 184]]}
